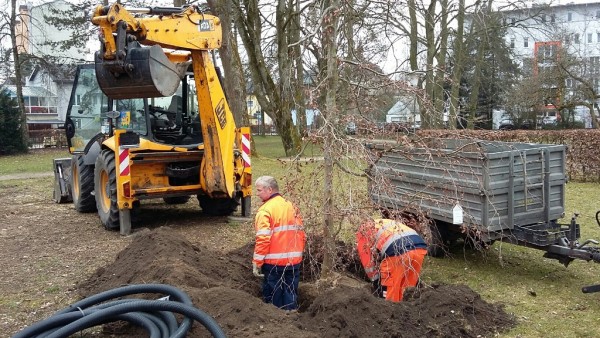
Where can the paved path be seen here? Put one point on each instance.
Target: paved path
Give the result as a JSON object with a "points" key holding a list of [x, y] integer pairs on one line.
{"points": [[24, 176]]}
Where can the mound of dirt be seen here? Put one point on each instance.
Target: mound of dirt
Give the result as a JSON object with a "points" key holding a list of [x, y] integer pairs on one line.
{"points": [[222, 284]]}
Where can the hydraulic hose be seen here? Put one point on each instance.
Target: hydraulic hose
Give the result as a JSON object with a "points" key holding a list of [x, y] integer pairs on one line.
{"points": [[155, 316]]}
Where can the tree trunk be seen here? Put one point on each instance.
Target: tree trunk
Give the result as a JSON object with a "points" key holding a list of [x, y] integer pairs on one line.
{"points": [[330, 30], [427, 115], [414, 35], [299, 96], [457, 70], [595, 123], [440, 82], [18, 75], [233, 73]]}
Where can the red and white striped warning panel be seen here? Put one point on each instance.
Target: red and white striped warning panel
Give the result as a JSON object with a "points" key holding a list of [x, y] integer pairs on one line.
{"points": [[123, 161], [246, 150]]}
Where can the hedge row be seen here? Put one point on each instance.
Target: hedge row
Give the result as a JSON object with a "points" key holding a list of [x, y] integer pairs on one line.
{"points": [[583, 145]]}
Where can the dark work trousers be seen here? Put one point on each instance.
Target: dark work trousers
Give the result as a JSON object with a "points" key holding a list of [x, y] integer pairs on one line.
{"points": [[280, 286]]}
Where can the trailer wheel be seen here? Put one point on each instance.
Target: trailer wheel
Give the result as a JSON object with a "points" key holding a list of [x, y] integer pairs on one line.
{"points": [[217, 206], [176, 199], [436, 246], [82, 183], [106, 190]]}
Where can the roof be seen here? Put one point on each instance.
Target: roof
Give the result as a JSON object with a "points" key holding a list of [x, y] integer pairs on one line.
{"points": [[405, 106], [29, 91], [58, 72]]}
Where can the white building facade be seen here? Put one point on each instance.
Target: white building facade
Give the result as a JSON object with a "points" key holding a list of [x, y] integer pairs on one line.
{"points": [[538, 32]]}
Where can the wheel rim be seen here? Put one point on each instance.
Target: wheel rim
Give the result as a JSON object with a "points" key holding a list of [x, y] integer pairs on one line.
{"points": [[104, 188]]}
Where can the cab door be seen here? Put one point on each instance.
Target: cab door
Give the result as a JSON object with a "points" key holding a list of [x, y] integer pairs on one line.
{"points": [[84, 119]]}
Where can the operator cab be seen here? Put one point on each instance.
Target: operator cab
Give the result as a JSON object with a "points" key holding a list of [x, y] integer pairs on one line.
{"points": [[171, 120]]}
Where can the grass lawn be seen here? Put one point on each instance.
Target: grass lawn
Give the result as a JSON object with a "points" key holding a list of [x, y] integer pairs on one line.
{"points": [[544, 296], [36, 161]]}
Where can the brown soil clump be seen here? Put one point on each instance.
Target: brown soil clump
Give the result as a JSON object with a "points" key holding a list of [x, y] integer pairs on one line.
{"points": [[222, 284]]}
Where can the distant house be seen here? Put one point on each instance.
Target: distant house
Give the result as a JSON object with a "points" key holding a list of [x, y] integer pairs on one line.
{"points": [[46, 96], [47, 89], [406, 110]]}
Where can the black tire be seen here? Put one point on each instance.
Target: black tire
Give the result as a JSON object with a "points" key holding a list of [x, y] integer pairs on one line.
{"points": [[82, 185], [436, 246], [217, 206], [176, 199], [105, 183]]}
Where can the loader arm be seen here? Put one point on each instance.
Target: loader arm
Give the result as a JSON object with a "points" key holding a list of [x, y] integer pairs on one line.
{"points": [[175, 28], [126, 70]]}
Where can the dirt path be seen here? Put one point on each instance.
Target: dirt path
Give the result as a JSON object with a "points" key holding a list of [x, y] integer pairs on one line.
{"points": [[25, 176]]}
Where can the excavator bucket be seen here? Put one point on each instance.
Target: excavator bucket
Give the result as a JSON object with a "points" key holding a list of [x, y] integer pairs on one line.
{"points": [[145, 72]]}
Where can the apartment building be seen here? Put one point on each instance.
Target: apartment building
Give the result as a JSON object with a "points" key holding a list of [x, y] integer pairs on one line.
{"points": [[538, 32]]}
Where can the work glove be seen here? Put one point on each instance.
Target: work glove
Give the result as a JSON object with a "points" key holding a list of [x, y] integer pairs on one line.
{"points": [[256, 270]]}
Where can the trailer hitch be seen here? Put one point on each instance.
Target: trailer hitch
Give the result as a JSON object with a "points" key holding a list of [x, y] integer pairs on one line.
{"points": [[568, 248], [593, 288]]}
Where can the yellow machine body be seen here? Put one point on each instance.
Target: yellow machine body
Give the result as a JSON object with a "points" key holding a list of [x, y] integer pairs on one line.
{"points": [[143, 150]]}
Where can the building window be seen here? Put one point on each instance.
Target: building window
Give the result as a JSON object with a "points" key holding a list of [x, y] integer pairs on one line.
{"points": [[569, 16], [552, 18], [512, 20], [512, 43], [576, 38], [569, 83], [543, 17], [250, 103], [594, 64], [589, 37], [526, 42]]}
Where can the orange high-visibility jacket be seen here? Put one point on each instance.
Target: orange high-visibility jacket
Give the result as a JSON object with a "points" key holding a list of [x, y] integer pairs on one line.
{"points": [[280, 236], [384, 238]]}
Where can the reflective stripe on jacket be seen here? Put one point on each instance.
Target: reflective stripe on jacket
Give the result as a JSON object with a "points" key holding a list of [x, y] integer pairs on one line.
{"points": [[384, 238], [280, 237]]}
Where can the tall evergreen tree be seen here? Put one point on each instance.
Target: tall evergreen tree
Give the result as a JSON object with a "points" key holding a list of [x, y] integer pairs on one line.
{"points": [[491, 71], [11, 123]]}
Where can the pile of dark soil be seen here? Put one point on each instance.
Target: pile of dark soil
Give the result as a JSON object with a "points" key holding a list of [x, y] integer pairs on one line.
{"points": [[222, 284]]}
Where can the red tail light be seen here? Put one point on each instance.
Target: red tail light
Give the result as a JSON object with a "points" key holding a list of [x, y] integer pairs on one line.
{"points": [[127, 189]]}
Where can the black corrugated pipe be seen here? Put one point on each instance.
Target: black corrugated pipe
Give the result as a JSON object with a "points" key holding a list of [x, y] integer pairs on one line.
{"points": [[152, 315]]}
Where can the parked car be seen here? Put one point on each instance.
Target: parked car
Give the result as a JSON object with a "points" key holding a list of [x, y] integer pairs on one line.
{"points": [[507, 124], [351, 128]]}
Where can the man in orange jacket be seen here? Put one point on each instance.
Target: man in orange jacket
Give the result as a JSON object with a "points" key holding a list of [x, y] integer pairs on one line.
{"points": [[401, 251], [280, 240]]}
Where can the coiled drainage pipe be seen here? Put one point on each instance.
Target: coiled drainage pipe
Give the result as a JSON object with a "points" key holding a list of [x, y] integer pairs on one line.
{"points": [[156, 316]]}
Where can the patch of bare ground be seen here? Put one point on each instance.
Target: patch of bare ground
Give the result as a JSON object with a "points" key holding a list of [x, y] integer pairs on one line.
{"points": [[53, 256]]}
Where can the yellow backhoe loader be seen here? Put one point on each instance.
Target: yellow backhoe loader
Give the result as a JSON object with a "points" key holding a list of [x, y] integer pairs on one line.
{"points": [[149, 119]]}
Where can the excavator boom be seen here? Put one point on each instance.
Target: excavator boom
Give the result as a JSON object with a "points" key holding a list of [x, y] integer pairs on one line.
{"points": [[126, 69]]}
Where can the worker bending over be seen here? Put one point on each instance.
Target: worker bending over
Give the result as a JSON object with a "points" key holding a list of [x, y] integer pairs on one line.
{"points": [[280, 240], [400, 250]]}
